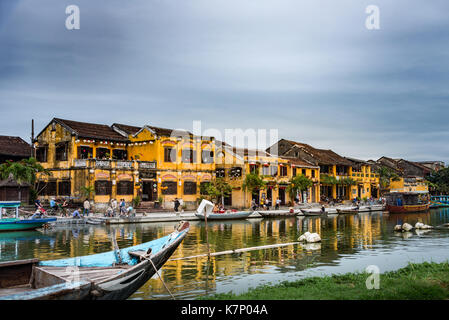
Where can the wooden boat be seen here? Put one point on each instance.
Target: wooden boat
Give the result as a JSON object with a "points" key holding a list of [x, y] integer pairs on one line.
{"points": [[439, 201], [113, 275], [318, 212], [226, 215], [16, 224], [354, 210], [205, 209], [402, 202], [277, 213]]}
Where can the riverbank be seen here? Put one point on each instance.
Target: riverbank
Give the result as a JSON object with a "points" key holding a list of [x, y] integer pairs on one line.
{"points": [[423, 281]]}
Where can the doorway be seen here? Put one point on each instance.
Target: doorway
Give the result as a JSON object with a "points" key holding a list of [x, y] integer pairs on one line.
{"points": [[282, 195], [149, 192]]}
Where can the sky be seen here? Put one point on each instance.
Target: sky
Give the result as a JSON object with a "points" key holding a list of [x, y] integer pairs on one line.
{"points": [[310, 69]]}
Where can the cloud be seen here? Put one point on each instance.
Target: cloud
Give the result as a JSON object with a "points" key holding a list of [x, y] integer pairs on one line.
{"points": [[311, 70]]}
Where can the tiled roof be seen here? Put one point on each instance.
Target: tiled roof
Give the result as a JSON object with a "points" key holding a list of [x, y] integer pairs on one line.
{"points": [[14, 146], [324, 157], [127, 128], [300, 163], [91, 130]]}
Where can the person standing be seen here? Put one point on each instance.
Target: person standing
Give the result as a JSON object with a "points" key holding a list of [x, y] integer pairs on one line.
{"points": [[86, 206], [253, 205], [114, 206], [278, 203], [122, 207], [177, 204]]}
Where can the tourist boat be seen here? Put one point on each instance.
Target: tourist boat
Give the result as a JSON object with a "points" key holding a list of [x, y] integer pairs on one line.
{"points": [[17, 224], [400, 202], [206, 207], [278, 213], [439, 201], [113, 275]]}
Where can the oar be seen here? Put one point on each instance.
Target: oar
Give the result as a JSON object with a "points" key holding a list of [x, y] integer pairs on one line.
{"points": [[116, 248]]}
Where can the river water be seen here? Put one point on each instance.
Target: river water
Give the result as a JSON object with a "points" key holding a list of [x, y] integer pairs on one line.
{"points": [[349, 243]]}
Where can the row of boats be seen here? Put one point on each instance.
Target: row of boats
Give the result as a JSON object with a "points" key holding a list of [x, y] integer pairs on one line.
{"points": [[205, 211]]}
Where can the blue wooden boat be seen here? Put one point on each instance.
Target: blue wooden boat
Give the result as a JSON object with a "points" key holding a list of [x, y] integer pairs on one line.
{"points": [[113, 275], [439, 201], [16, 224]]}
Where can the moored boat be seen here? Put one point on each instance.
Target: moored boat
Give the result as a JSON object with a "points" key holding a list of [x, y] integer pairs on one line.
{"points": [[205, 209], [277, 213], [113, 275], [400, 202], [439, 201], [17, 224]]}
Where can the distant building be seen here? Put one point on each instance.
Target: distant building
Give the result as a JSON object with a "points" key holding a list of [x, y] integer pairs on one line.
{"points": [[13, 148], [10, 190], [434, 165]]}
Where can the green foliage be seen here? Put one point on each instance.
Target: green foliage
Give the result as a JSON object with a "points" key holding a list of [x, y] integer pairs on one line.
{"points": [[23, 171], [328, 179], [348, 182], [252, 182], [87, 192], [298, 184], [217, 190], [386, 175], [136, 201], [160, 199], [439, 181], [424, 281]]}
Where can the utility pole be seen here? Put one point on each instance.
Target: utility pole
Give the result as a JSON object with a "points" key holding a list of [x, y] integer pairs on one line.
{"points": [[33, 153]]}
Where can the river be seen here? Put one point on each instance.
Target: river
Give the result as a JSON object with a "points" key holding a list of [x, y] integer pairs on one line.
{"points": [[349, 243]]}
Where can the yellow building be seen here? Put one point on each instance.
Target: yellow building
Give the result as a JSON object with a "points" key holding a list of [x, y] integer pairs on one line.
{"points": [[234, 164], [123, 162], [367, 180]]}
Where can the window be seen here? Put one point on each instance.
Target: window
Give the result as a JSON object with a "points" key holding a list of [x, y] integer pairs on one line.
{"points": [[294, 172], [324, 169], [64, 188], [303, 172], [49, 189], [220, 173], [103, 188], [283, 171], [188, 156], [313, 173], [61, 151], [103, 153], [41, 154], [125, 188], [207, 156], [274, 170], [235, 172], [169, 187], [189, 187], [169, 154], [253, 168], [85, 152], [119, 154], [265, 170]]}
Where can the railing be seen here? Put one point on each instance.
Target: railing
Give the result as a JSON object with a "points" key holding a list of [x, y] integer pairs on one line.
{"points": [[147, 165], [79, 163], [124, 164], [102, 164]]}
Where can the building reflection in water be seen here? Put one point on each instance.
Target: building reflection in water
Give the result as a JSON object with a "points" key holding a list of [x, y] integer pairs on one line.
{"points": [[341, 235]]}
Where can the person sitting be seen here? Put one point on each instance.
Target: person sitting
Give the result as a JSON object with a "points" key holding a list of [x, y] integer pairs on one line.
{"points": [[129, 211], [216, 208], [64, 208], [37, 215], [109, 212], [76, 214]]}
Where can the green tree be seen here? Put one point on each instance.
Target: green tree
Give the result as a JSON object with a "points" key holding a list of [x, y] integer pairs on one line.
{"points": [[87, 192], [299, 184], [25, 171], [438, 181], [386, 175], [328, 179], [252, 182], [217, 190]]}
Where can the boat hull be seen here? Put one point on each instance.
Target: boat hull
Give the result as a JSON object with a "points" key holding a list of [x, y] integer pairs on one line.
{"points": [[277, 213], [225, 216], [407, 208], [21, 225]]}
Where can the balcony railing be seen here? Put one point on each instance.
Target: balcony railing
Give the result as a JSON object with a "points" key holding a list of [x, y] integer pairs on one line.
{"points": [[147, 165], [103, 164], [80, 163], [124, 165]]}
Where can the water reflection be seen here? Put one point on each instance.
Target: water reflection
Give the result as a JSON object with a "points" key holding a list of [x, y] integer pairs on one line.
{"points": [[349, 242]]}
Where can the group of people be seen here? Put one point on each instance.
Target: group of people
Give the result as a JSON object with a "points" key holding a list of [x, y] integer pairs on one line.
{"points": [[266, 204], [114, 208]]}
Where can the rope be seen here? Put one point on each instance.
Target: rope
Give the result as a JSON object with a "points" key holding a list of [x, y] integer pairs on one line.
{"points": [[155, 269]]}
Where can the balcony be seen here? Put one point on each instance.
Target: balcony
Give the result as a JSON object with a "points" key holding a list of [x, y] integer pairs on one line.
{"points": [[80, 163], [147, 165], [103, 164], [121, 164]]}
